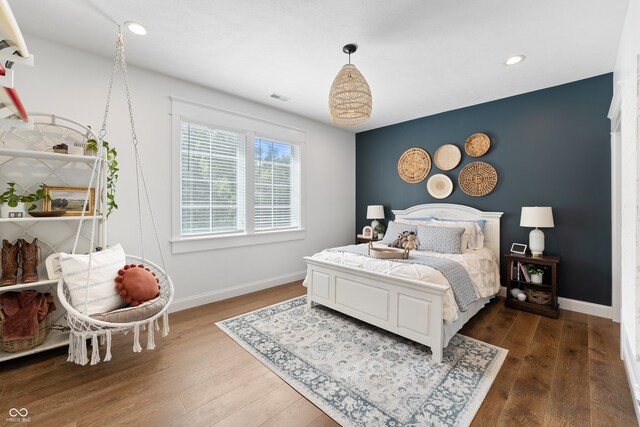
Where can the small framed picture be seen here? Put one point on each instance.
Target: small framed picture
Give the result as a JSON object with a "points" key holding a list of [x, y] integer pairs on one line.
{"points": [[519, 248], [367, 232], [71, 200], [53, 266]]}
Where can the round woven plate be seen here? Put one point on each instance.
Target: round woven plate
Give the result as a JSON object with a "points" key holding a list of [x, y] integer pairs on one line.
{"points": [[478, 179], [439, 186], [447, 157], [477, 144], [414, 165]]}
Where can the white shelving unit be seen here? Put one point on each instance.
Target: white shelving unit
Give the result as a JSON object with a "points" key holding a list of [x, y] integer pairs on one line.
{"points": [[26, 158]]}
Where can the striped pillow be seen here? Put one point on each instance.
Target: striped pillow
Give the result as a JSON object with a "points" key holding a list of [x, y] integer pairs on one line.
{"points": [[103, 296]]}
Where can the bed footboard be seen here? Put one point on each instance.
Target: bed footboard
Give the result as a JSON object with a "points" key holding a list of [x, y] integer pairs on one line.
{"points": [[406, 307]]}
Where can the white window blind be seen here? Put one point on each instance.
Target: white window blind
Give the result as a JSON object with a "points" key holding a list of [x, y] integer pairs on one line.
{"points": [[212, 172], [276, 185]]}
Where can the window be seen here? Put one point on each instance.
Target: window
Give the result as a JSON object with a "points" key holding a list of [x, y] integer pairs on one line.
{"points": [[234, 187], [277, 177], [212, 180]]}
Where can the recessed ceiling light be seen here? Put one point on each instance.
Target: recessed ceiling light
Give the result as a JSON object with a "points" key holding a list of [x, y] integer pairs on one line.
{"points": [[514, 60], [136, 28]]}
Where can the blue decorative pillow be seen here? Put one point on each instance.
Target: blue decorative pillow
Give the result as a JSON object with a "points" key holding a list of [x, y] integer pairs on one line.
{"points": [[393, 229], [444, 240]]}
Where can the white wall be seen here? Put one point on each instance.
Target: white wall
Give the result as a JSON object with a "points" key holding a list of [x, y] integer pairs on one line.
{"points": [[72, 83], [625, 78]]}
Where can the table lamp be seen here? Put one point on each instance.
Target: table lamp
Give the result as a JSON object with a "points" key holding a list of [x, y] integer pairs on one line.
{"points": [[375, 212], [536, 217]]}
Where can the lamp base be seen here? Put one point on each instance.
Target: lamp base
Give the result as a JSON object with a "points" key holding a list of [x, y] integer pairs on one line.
{"points": [[374, 224], [536, 242]]}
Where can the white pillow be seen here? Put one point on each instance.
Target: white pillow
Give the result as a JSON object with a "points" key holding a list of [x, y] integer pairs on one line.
{"points": [[103, 295], [473, 238]]}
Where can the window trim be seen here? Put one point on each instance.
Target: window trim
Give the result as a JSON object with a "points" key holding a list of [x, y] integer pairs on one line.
{"points": [[195, 112]]}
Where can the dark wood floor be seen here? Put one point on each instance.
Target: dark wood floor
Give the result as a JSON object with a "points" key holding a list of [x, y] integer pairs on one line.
{"points": [[557, 372]]}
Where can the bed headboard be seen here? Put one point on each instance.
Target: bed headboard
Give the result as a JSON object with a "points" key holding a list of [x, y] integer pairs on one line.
{"points": [[463, 213]]}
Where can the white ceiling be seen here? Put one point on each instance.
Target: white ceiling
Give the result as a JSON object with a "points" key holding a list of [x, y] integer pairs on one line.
{"points": [[420, 57]]}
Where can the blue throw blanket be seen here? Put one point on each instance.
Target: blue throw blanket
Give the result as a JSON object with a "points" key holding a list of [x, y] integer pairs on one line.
{"points": [[456, 275]]}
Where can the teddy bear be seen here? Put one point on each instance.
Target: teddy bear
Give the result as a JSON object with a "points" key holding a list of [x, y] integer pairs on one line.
{"points": [[411, 243], [404, 240]]}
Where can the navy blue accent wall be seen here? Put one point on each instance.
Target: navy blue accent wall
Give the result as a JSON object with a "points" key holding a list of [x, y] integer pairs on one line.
{"points": [[550, 148]]}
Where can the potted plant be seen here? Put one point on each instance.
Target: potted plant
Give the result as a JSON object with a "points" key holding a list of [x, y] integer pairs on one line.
{"points": [[536, 271], [378, 231], [112, 175], [13, 205]]}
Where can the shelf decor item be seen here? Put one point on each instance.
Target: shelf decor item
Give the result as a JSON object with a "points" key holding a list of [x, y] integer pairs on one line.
{"points": [[447, 157], [350, 99], [13, 205], [536, 216], [16, 346], [71, 200], [414, 165], [537, 296], [478, 179], [439, 186], [477, 145]]}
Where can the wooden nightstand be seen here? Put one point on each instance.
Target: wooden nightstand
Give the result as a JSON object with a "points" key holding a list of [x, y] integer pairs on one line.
{"points": [[362, 239], [542, 298]]}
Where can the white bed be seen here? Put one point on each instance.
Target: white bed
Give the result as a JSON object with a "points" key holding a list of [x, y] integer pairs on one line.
{"points": [[418, 307]]}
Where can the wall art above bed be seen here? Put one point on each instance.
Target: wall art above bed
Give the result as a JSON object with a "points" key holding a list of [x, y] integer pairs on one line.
{"points": [[477, 145], [478, 179], [414, 165]]}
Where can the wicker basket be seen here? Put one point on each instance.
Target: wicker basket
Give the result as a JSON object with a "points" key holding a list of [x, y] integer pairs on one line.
{"points": [[44, 327], [388, 253], [538, 296]]}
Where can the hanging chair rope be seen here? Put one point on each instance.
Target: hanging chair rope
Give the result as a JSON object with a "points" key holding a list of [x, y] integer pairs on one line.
{"points": [[82, 326]]}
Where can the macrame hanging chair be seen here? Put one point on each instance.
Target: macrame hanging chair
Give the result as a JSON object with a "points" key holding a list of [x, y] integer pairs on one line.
{"points": [[82, 326]]}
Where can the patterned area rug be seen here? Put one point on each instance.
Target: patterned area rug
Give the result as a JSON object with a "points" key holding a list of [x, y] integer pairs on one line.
{"points": [[361, 375]]}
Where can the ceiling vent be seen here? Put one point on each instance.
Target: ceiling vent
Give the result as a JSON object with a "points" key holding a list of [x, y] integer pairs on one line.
{"points": [[280, 97]]}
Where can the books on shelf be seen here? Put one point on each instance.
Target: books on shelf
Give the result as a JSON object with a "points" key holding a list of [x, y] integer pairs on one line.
{"points": [[519, 272], [525, 274]]}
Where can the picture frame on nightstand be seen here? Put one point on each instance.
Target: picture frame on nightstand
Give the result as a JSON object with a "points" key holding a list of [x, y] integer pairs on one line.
{"points": [[519, 248], [367, 232]]}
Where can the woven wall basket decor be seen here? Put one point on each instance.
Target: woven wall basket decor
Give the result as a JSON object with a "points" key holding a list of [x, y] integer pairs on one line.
{"points": [[478, 179], [447, 157], [439, 186], [414, 165], [477, 144]]}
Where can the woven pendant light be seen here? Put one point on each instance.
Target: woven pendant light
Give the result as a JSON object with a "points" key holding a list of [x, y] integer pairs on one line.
{"points": [[350, 97]]}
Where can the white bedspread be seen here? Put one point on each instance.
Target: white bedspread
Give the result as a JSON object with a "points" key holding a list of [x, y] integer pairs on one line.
{"points": [[481, 265]]}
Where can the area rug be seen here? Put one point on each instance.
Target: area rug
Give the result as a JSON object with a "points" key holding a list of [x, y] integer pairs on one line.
{"points": [[361, 375]]}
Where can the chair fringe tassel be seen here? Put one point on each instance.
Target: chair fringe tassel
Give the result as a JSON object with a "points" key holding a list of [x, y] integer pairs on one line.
{"points": [[78, 352]]}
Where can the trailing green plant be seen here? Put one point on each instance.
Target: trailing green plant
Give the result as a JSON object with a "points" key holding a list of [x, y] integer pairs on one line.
{"points": [[112, 173], [379, 229], [12, 198], [537, 269]]}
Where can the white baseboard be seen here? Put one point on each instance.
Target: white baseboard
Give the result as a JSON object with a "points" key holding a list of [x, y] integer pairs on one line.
{"points": [[577, 305], [233, 291], [631, 367]]}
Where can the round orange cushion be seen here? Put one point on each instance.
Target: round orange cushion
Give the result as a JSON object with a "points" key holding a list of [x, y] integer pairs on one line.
{"points": [[137, 284]]}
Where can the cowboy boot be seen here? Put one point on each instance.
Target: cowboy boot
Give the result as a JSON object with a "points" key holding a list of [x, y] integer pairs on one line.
{"points": [[9, 263], [29, 256]]}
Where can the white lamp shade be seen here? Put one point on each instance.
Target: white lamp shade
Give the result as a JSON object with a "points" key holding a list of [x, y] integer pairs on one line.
{"points": [[375, 212], [536, 217]]}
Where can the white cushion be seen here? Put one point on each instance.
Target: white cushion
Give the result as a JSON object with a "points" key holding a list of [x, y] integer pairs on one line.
{"points": [[103, 296]]}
